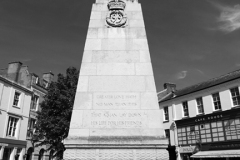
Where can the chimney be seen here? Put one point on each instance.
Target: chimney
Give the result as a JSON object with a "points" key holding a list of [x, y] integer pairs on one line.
{"points": [[171, 87], [3, 72], [24, 76], [13, 70], [48, 77]]}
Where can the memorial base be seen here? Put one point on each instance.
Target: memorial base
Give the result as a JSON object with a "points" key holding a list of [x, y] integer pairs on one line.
{"points": [[112, 152]]}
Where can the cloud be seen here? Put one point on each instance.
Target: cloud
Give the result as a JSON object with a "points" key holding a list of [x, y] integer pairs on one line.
{"points": [[229, 17], [182, 75]]}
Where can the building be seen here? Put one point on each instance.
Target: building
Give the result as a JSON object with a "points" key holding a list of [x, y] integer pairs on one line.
{"points": [[21, 93], [203, 121], [39, 88], [15, 99]]}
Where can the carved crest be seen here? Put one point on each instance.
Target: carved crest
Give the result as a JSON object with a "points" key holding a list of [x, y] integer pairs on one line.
{"points": [[116, 16]]}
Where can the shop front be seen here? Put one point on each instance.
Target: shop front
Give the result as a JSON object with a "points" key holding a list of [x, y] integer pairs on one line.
{"points": [[186, 152], [219, 151], [219, 155], [12, 149], [217, 136]]}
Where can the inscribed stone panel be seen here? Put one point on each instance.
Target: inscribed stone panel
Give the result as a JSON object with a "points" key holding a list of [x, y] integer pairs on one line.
{"points": [[115, 119], [116, 100]]}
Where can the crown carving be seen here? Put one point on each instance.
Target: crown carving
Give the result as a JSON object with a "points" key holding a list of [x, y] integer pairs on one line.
{"points": [[116, 5]]}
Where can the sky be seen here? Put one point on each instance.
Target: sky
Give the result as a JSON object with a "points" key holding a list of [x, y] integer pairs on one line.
{"points": [[190, 41]]}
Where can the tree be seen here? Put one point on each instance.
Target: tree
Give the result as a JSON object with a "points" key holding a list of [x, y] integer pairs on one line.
{"points": [[53, 120]]}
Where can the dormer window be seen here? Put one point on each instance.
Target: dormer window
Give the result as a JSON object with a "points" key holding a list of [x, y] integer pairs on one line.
{"points": [[36, 80], [45, 84]]}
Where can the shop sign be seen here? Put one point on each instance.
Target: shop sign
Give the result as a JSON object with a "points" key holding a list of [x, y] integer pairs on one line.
{"points": [[209, 118], [3, 144], [187, 149]]}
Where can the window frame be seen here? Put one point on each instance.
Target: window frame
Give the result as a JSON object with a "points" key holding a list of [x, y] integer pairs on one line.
{"points": [[165, 114], [218, 101], [167, 135], [31, 126], [183, 109], [36, 104], [14, 133], [200, 105], [235, 96], [18, 100]]}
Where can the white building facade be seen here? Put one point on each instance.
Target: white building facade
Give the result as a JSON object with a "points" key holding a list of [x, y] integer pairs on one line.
{"points": [[15, 102], [203, 120], [21, 93]]}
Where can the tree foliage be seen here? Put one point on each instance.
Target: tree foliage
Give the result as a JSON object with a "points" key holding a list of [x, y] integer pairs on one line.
{"points": [[53, 119]]}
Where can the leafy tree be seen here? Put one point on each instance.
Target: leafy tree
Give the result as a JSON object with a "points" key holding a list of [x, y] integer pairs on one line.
{"points": [[53, 119]]}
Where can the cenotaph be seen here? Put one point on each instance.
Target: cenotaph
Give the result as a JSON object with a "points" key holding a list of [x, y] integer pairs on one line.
{"points": [[116, 114]]}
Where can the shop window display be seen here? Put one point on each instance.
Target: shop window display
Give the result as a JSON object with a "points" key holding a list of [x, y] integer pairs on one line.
{"points": [[214, 131]]}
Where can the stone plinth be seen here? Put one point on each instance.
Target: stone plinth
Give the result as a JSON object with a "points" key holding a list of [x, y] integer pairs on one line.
{"points": [[116, 113]]}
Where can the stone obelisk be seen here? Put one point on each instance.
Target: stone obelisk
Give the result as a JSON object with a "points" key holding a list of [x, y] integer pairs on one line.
{"points": [[116, 114]]}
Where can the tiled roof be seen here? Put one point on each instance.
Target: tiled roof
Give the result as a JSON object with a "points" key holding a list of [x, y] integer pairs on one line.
{"points": [[203, 85]]}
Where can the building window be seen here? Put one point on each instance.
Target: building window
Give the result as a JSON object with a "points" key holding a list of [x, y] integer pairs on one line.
{"points": [[235, 96], [205, 132], [166, 116], [12, 126], [167, 134], [231, 127], [35, 101], [182, 135], [51, 155], [29, 153], [216, 101], [19, 150], [185, 109], [217, 131], [7, 153], [34, 80], [200, 105], [41, 154], [16, 100], [31, 124], [45, 84]]}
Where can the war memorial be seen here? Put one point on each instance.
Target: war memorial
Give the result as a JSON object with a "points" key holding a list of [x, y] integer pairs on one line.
{"points": [[116, 114]]}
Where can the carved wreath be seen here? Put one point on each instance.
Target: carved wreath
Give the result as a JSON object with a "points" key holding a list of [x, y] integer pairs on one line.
{"points": [[116, 18]]}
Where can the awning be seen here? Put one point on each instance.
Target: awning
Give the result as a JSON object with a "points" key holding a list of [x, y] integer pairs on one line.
{"points": [[217, 154]]}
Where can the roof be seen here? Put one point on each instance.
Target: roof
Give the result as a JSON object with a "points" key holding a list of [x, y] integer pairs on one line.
{"points": [[203, 85], [217, 154], [13, 83]]}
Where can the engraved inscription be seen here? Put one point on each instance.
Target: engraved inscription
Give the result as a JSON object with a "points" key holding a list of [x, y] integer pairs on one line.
{"points": [[116, 100], [118, 119]]}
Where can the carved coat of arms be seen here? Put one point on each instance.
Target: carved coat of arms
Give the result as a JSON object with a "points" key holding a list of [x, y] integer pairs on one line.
{"points": [[116, 16]]}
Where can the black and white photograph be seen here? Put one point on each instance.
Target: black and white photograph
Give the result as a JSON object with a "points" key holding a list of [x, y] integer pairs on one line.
{"points": [[119, 79]]}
